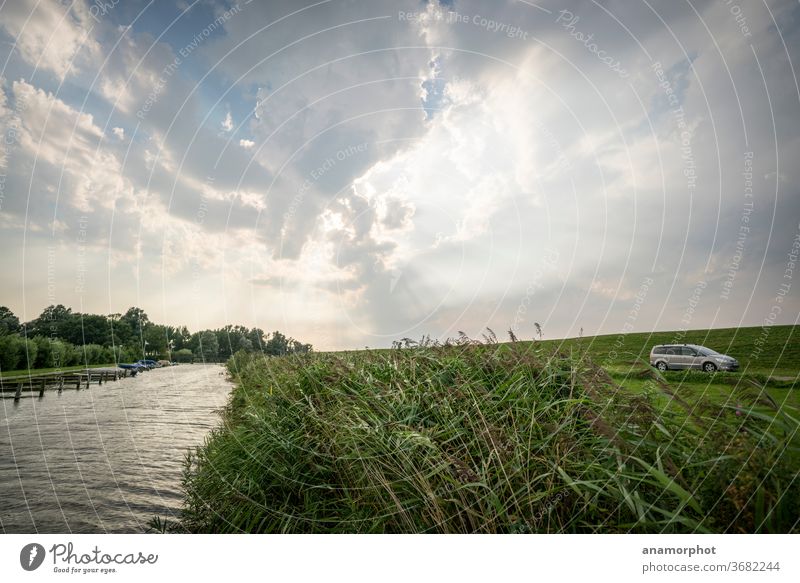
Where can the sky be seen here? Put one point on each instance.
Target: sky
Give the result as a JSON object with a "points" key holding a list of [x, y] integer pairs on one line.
{"points": [[356, 172]]}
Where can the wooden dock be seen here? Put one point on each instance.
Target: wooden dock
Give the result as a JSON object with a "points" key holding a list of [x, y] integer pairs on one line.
{"points": [[73, 379]]}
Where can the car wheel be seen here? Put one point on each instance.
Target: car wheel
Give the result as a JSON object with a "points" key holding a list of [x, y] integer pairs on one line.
{"points": [[661, 366], [709, 367]]}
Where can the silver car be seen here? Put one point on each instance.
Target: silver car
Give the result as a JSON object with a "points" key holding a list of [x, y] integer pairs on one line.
{"points": [[687, 356]]}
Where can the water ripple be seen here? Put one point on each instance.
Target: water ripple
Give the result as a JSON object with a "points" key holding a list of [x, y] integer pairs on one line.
{"points": [[107, 459]]}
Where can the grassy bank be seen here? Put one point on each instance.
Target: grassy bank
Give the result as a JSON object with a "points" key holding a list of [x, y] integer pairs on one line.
{"points": [[488, 438], [771, 351]]}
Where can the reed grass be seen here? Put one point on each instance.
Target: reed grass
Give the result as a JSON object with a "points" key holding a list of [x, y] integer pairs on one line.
{"points": [[483, 439]]}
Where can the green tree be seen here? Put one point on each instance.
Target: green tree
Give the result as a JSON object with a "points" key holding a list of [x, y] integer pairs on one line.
{"points": [[52, 353], [298, 347], [183, 355], [70, 329], [9, 323], [233, 338], [11, 352], [53, 321], [256, 338], [181, 338], [156, 340], [30, 350], [277, 345], [43, 351], [69, 354], [136, 320], [61, 337], [209, 347], [96, 329], [91, 354]]}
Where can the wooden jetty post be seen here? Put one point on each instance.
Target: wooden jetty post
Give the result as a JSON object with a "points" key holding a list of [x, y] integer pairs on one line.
{"points": [[59, 380]]}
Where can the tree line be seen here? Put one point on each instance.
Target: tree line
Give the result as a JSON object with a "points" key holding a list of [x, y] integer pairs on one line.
{"points": [[59, 337]]}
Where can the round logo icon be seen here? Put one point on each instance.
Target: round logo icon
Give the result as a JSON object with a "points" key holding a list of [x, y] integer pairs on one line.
{"points": [[31, 556]]}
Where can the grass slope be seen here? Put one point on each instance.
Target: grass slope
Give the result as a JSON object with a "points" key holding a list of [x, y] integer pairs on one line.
{"points": [[488, 438], [773, 350]]}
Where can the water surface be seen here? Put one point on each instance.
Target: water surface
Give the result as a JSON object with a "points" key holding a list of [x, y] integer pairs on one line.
{"points": [[106, 459]]}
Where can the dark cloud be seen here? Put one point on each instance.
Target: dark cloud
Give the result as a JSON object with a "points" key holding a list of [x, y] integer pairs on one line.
{"points": [[400, 169]]}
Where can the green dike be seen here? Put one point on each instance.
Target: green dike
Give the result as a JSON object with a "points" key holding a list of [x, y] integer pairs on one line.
{"points": [[488, 438], [771, 351]]}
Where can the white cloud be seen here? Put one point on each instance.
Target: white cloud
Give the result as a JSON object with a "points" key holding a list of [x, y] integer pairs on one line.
{"points": [[49, 34], [53, 131], [141, 76], [227, 123], [436, 222]]}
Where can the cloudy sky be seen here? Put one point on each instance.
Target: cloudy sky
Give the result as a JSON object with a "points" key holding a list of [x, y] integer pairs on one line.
{"points": [[354, 172]]}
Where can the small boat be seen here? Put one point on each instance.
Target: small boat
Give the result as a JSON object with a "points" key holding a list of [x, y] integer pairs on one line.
{"points": [[132, 367]]}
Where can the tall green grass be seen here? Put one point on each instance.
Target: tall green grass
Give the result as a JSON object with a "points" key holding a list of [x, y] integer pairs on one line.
{"points": [[482, 438]]}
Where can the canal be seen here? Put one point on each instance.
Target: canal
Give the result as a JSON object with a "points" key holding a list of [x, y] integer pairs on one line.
{"points": [[106, 459]]}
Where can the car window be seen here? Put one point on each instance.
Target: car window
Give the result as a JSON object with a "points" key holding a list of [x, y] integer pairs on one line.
{"points": [[673, 350], [659, 350], [687, 351]]}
